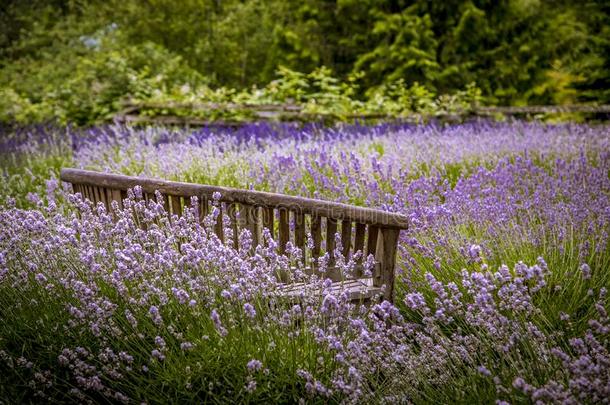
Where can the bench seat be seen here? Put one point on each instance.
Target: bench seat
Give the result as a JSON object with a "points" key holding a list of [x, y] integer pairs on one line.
{"points": [[357, 290]]}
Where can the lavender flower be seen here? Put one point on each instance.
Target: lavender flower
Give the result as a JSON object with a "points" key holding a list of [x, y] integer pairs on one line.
{"points": [[254, 365], [249, 310], [585, 270], [475, 253], [131, 282]]}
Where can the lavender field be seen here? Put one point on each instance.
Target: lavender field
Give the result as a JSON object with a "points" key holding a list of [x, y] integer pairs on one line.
{"points": [[502, 278]]}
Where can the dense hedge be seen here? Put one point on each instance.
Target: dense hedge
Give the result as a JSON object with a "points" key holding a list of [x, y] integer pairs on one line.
{"points": [[73, 61]]}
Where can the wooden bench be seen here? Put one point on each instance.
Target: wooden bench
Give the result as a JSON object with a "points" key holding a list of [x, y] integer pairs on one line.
{"points": [[361, 229]]}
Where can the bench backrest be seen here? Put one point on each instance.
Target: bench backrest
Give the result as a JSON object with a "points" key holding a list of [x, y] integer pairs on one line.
{"points": [[361, 229]]}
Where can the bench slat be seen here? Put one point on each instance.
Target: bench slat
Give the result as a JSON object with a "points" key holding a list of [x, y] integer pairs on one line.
{"points": [[331, 230], [147, 196], [117, 196], [232, 211], [359, 238], [356, 290], [386, 257], [346, 237], [202, 209], [100, 195], [92, 195], [105, 198], [268, 217], [95, 196], [371, 246], [218, 227], [87, 193], [249, 219], [110, 198], [316, 235], [284, 229], [176, 205], [166, 203], [299, 230], [359, 245]]}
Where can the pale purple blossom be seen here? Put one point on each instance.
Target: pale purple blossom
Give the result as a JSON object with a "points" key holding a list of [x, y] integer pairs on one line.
{"points": [[249, 310], [254, 365]]}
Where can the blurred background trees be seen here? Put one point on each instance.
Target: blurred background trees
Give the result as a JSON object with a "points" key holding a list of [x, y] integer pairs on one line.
{"points": [[75, 60]]}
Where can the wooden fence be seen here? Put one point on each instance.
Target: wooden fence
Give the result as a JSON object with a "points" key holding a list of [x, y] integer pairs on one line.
{"points": [[133, 113]]}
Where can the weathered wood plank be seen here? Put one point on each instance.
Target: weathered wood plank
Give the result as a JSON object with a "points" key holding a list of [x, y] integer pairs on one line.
{"points": [[359, 238], [268, 218], [149, 198], [299, 230], [332, 272], [257, 198], [218, 226], [92, 195], [250, 220], [115, 195], [101, 196], [331, 230], [257, 225], [98, 195], [202, 209], [85, 192], [357, 290], [316, 235], [166, 204], [284, 229], [105, 197], [386, 257], [76, 188], [371, 246], [232, 211], [176, 205], [346, 237], [359, 245]]}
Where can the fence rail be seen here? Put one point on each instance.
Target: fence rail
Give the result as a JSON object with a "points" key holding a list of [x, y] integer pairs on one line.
{"points": [[132, 113]]}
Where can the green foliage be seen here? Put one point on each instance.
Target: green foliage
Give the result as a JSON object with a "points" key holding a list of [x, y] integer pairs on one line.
{"points": [[318, 94], [83, 79], [406, 49], [24, 172], [74, 61]]}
